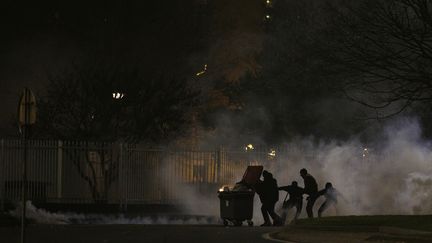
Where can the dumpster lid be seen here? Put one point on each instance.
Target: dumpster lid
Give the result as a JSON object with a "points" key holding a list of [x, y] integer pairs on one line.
{"points": [[252, 174]]}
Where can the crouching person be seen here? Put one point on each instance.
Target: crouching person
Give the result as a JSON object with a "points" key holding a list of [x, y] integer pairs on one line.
{"points": [[295, 200], [331, 196]]}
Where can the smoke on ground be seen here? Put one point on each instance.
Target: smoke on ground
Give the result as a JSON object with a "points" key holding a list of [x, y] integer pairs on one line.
{"points": [[42, 216]]}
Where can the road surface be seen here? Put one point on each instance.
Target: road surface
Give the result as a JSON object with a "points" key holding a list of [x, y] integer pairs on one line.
{"points": [[136, 233]]}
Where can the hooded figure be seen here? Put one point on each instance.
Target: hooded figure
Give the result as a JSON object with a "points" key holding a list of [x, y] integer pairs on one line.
{"points": [[269, 194]]}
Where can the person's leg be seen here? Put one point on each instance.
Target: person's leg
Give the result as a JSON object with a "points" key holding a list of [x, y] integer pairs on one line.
{"points": [[276, 218], [299, 205], [322, 208], [289, 204], [310, 204], [264, 212], [284, 214]]}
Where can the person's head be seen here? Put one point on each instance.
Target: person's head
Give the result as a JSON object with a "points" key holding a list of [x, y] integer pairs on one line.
{"points": [[294, 183], [303, 172], [328, 185], [267, 175]]}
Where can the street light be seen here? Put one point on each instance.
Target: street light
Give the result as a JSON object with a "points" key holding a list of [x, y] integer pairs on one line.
{"points": [[249, 147], [117, 95]]}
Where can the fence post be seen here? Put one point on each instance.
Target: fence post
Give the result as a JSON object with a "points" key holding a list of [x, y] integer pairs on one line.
{"points": [[218, 164], [59, 169], [122, 185], [2, 177]]}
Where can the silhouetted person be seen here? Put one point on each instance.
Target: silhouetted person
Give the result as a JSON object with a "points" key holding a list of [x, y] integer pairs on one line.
{"points": [[269, 195], [295, 199], [330, 194], [311, 189]]}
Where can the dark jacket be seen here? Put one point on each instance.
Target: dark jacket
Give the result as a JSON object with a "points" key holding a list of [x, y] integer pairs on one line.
{"points": [[268, 190], [295, 192], [311, 186]]}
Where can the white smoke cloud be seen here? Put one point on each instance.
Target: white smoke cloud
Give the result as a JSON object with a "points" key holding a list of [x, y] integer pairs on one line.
{"points": [[393, 177], [41, 216]]}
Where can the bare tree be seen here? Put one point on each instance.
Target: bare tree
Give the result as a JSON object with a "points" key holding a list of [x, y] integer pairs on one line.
{"points": [[96, 163], [110, 104], [385, 47]]}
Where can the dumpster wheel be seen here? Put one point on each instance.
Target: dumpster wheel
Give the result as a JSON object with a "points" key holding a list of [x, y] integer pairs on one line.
{"points": [[225, 222]]}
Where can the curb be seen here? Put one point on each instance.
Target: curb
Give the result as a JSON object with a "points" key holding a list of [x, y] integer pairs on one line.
{"points": [[267, 236], [360, 228]]}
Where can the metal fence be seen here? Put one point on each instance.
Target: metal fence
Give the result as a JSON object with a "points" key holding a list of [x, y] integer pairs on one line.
{"points": [[77, 172]]}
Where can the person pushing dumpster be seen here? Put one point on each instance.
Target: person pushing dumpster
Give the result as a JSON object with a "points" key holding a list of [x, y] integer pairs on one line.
{"points": [[295, 200], [311, 189], [331, 194], [269, 194]]}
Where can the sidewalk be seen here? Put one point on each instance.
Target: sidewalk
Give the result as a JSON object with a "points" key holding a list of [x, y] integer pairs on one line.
{"points": [[350, 234]]}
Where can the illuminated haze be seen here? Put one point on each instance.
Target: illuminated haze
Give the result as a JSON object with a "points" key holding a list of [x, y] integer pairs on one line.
{"points": [[393, 176]]}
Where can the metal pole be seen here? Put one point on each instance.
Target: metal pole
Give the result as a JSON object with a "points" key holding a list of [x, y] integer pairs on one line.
{"points": [[218, 163], [24, 172], [2, 165], [59, 169], [125, 164], [120, 176]]}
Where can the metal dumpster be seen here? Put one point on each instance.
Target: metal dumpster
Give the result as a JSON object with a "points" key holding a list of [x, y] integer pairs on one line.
{"points": [[236, 205]]}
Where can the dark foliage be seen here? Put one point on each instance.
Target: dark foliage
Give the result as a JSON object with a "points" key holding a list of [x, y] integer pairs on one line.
{"points": [[386, 48], [112, 102]]}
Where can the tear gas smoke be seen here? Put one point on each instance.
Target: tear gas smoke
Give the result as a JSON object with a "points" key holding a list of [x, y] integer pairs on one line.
{"points": [[41, 216], [394, 177]]}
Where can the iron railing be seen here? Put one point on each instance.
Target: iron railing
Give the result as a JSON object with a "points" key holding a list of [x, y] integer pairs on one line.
{"points": [[85, 172]]}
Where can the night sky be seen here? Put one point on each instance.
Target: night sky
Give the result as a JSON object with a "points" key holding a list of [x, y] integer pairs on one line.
{"points": [[270, 62], [42, 38]]}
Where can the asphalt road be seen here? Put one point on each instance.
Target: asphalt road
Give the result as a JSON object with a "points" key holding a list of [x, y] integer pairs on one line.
{"points": [[136, 233]]}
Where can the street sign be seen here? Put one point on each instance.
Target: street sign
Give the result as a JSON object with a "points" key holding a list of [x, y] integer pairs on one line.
{"points": [[27, 108]]}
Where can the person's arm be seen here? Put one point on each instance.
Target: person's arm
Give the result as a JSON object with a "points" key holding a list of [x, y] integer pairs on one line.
{"points": [[322, 192], [283, 188]]}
